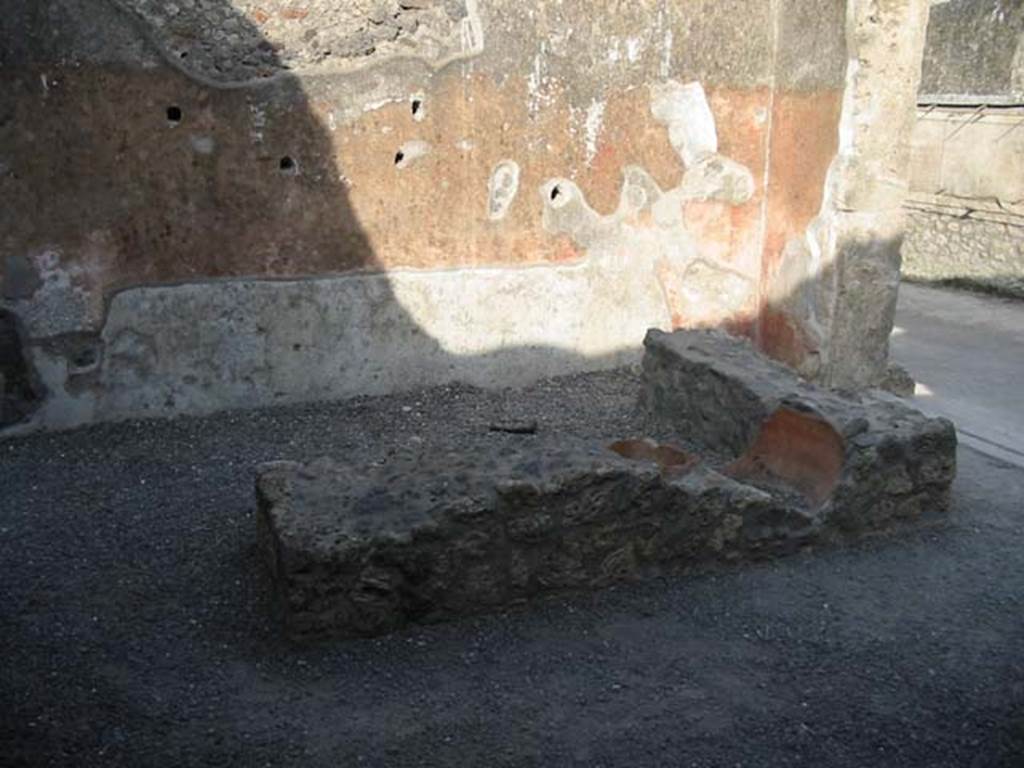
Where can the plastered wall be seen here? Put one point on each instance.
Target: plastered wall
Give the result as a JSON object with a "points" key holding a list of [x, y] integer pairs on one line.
{"points": [[214, 204]]}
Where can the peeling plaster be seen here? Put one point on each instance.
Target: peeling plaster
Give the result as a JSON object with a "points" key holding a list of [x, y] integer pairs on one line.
{"points": [[410, 152], [210, 44], [593, 124], [686, 112], [634, 49], [291, 341], [642, 266], [537, 84], [648, 226], [502, 189], [666, 57]]}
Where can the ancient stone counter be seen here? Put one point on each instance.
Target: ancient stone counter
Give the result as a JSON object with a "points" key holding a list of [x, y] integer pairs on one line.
{"points": [[361, 550], [867, 458]]}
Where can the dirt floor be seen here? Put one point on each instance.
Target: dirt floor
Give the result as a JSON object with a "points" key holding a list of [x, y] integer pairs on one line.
{"points": [[133, 629]]}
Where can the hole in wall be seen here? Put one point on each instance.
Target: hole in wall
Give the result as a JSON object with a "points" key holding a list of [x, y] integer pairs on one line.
{"points": [[411, 152], [417, 106], [286, 163], [558, 193], [174, 114], [84, 358]]}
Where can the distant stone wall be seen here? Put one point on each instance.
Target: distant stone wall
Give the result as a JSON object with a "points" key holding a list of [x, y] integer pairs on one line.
{"points": [[983, 252], [975, 48], [966, 203]]}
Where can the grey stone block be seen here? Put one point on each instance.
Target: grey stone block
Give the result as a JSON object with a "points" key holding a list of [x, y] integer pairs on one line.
{"points": [[364, 550], [863, 459], [361, 550]]}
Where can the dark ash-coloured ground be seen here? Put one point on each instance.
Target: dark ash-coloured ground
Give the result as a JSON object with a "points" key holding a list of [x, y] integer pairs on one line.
{"points": [[133, 629]]}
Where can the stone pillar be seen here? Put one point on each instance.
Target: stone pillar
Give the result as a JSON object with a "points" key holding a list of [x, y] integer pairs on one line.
{"points": [[835, 287], [863, 222]]}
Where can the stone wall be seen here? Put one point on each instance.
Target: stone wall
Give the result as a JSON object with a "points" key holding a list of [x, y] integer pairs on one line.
{"points": [[225, 204], [980, 251], [966, 206], [975, 49]]}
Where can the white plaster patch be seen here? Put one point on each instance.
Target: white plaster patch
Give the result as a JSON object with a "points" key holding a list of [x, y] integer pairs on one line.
{"points": [[700, 285], [203, 145], [267, 342], [471, 30], [410, 152], [614, 55], [593, 125], [666, 56], [634, 49], [537, 84], [259, 123], [373, 106], [686, 112], [502, 189]]}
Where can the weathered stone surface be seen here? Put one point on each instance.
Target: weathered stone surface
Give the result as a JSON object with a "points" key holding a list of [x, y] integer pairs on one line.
{"points": [[975, 48], [863, 460], [244, 41], [360, 550], [979, 250], [831, 282], [898, 381]]}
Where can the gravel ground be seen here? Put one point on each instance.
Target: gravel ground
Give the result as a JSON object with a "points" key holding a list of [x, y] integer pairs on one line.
{"points": [[133, 627]]}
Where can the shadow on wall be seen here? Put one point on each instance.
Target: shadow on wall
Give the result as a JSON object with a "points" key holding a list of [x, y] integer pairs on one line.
{"points": [[175, 201], [233, 271]]}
